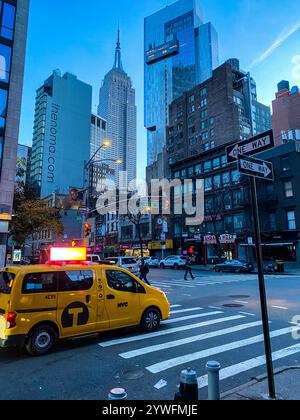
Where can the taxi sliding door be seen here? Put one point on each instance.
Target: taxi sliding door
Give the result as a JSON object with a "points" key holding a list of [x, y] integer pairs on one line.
{"points": [[77, 302]]}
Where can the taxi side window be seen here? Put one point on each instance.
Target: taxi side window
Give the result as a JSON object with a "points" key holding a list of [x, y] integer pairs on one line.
{"points": [[40, 283], [75, 280], [120, 281]]}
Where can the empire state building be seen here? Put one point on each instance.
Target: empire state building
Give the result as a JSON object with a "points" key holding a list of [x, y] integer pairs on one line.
{"points": [[117, 107]]}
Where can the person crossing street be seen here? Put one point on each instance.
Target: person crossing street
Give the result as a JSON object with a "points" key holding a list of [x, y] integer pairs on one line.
{"points": [[188, 269], [144, 270]]}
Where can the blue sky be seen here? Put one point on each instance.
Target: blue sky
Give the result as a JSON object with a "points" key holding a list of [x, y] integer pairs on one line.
{"points": [[80, 37]]}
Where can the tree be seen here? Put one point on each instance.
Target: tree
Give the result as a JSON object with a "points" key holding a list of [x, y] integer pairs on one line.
{"points": [[31, 217]]}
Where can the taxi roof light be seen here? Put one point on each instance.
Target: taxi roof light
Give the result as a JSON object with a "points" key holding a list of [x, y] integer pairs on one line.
{"points": [[68, 254]]}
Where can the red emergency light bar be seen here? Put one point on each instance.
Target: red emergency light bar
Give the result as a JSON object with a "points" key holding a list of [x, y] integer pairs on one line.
{"points": [[68, 254]]}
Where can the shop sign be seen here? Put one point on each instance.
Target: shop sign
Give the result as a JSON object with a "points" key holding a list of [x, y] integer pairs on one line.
{"points": [[227, 239], [210, 240], [157, 246]]}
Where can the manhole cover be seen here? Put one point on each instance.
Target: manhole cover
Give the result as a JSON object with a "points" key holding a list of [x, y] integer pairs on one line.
{"points": [[233, 305], [132, 374], [239, 297]]}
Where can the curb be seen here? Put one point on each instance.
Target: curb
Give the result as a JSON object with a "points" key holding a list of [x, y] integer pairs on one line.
{"points": [[257, 380]]}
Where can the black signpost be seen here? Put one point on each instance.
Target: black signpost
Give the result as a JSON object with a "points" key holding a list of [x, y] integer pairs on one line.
{"points": [[256, 168]]}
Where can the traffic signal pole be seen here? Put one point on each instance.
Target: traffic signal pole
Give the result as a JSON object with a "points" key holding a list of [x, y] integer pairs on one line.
{"points": [[262, 290]]}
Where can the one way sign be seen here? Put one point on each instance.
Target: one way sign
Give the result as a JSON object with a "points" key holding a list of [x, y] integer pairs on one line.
{"points": [[256, 167], [251, 146]]}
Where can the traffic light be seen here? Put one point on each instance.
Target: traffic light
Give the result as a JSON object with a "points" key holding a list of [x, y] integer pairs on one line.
{"points": [[87, 230]]}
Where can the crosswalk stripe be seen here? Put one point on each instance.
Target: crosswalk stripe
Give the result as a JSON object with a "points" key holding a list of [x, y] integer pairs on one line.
{"points": [[181, 311], [177, 343], [167, 364], [176, 306], [172, 284], [250, 364], [169, 331], [187, 318]]}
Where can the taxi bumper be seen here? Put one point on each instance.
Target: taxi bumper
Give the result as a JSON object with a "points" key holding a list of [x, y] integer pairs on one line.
{"points": [[13, 341]]}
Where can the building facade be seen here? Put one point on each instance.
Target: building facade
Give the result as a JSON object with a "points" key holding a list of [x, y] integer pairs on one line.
{"points": [[13, 38], [180, 52], [98, 135], [61, 136], [23, 164], [215, 113], [286, 113], [117, 107]]}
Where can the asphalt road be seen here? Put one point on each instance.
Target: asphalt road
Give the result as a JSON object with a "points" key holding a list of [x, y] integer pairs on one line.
{"points": [[200, 329]]}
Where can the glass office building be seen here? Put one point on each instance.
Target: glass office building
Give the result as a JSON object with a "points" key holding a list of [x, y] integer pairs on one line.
{"points": [[61, 134], [13, 37], [180, 52]]}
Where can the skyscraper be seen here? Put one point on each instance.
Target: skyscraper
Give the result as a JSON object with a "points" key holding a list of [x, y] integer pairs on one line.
{"points": [[62, 134], [180, 52], [117, 107], [13, 37]]}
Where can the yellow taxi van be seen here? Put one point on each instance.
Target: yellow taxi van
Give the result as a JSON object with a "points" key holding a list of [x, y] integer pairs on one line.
{"points": [[69, 298]]}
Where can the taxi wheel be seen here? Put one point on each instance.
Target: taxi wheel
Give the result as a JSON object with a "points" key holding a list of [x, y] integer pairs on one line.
{"points": [[151, 320], [41, 340]]}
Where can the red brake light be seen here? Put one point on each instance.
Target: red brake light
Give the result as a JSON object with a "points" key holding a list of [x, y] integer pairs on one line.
{"points": [[67, 254], [11, 320]]}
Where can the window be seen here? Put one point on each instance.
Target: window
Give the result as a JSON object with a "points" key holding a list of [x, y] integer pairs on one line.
{"points": [[191, 171], [285, 164], [207, 166], [198, 169], [226, 179], [40, 283], [204, 136], [204, 113], [120, 281], [208, 184], [191, 99], [212, 132], [204, 125], [238, 221], [217, 181], [192, 130], [203, 102], [272, 221], [191, 120], [191, 109], [291, 217], [6, 280], [211, 121], [76, 280], [224, 160], [203, 91], [235, 176], [5, 61], [8, 21], [288, 189], [216, 163]]}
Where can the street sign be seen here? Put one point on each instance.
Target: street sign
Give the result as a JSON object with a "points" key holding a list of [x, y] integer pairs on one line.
{"points": [[256, 167], [251, 147]]}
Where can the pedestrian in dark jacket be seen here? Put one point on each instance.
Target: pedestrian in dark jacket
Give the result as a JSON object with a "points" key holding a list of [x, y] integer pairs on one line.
{"points": [[188, 269], [144, 270]]}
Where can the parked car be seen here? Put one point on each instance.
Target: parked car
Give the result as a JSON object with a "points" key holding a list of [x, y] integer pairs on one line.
{"points": [[235, 266], [270, 267], [152, 262], [128, 263], [175, 261]]}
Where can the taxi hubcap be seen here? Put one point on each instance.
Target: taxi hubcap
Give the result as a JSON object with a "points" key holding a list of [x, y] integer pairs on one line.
{"points": [[43, 340], [152, 320]]}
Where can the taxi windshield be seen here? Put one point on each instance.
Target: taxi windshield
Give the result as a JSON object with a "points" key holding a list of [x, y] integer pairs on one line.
{"points": [[6, 280]]}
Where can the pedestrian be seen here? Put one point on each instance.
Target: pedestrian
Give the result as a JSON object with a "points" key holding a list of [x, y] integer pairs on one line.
{"points": [[188, 269], [144, 270]]}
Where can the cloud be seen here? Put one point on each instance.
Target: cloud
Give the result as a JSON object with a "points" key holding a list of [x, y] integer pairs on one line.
{"points": [[276, 44]]}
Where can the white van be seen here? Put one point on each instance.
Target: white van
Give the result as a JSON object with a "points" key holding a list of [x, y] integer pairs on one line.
{"points": [[128, 263], [93, 258]]}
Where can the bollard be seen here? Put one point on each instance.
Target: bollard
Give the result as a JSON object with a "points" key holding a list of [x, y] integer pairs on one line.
{"points": [[213, 381], [117, 394], [188, 388]]}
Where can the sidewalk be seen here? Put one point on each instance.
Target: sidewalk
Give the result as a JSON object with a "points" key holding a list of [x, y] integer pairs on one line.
{"points": [[287, 381], [290, 269]]}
